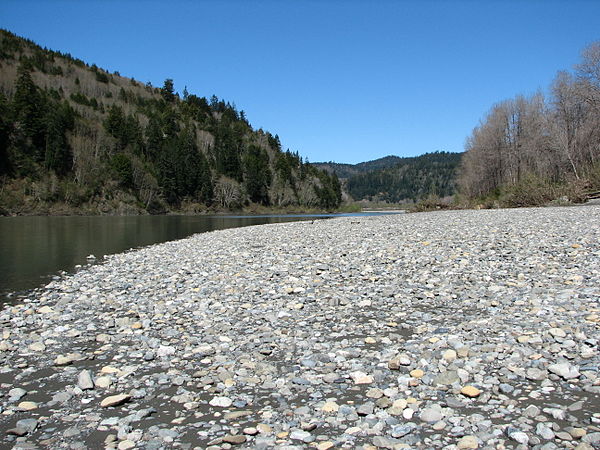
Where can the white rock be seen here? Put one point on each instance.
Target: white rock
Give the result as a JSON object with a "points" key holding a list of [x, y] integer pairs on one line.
{"points": [[222, 402], [564, 370]]}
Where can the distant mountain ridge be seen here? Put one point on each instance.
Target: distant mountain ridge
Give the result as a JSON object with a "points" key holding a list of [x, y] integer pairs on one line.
{"points": [[343, 170], [399, 179]]}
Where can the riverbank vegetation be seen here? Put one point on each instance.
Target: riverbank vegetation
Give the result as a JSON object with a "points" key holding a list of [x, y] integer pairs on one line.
{"points": [[77, 139], [537, 149]]}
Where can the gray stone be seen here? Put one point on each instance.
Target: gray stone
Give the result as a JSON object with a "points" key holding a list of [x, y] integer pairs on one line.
{"points": [[84, 380], [447, 378]]}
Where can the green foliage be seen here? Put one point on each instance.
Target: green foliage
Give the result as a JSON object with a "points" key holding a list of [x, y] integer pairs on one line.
{"points": [[228, 149], [101, 77], [5, 132], [121, 165], [126, 129], [330, 191], [167, 91], [28, 113], [59, 120], [412, 179], [274, 142], [81, 99], [257, 174], [182, 170]]}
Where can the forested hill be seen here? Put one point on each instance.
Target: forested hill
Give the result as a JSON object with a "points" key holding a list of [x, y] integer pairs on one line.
{"points": [[77, 139], [394, 179], [347, 170]]}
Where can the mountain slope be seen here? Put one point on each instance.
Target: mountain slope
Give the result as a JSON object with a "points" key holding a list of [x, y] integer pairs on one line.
{"points": [[395, 179], [77, 139], [347, 170]]}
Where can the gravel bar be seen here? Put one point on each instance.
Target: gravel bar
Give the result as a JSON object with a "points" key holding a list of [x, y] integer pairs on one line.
{"points": [[458, 329]]}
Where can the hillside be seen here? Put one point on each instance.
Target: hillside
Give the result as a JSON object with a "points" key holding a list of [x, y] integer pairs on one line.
{"points": [[396, 180], [347, 170], [77, 139]]}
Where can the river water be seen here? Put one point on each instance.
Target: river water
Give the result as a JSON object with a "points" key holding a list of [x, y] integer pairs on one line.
{"points": [[34, 249]]}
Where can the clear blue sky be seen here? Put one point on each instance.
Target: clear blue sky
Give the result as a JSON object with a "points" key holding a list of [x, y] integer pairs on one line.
{"points": [[341, 80]]}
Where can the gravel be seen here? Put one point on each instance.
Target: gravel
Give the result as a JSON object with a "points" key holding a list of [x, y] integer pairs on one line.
{"points": [[468, 329]]}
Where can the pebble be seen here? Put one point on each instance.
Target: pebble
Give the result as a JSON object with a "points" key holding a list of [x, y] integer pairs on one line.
{"points": [[102, 382], [466, 442], [115, 400], [470, 391], [431, 415], [235, 440], [323, 335], [222, 402], [564, 370], [27, 406], [84, 380]]}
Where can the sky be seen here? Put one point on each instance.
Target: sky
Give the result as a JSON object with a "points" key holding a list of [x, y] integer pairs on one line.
{"points": [[337, 80]]}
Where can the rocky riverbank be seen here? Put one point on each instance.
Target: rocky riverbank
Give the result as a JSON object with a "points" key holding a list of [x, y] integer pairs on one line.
{"points": [[462, 328]]}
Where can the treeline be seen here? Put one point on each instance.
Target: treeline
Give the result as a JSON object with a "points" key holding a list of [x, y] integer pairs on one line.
{"points": [[74, 137], [531, 150], [410, 180], [343, 170]]}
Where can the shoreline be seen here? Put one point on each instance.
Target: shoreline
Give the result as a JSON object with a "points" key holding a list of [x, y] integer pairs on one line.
{"points": [[446, 328]]}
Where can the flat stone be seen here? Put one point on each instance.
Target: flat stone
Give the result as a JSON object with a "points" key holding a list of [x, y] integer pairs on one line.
{"points": [[470, 391], [62, 360], [300, 435], [330, 407], [447, 378], [416, 373], [577, 433], [557, 332], [27, 425], [16, 394], [27, 406], [564, 370], [385, 442], [221, 402], [431, 415], [37, 347], [361, 378], [102, 382], [236, 415], [449, 355], [235, 439], [115, 400], [467, 442], [263, 428], [126, 445], [374, 393]]}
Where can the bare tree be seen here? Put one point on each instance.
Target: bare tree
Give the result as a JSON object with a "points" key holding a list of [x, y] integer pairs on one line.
{"points": [[227, 193]]}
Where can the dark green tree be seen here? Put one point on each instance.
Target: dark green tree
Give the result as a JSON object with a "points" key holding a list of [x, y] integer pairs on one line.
{"points": [[28, 113], [257, 174], [5, 132], [168, 91], [58, 156], [123, 169]]}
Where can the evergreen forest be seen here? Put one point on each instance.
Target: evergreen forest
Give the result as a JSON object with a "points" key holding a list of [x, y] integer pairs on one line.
{"points": [[400, 180]]}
